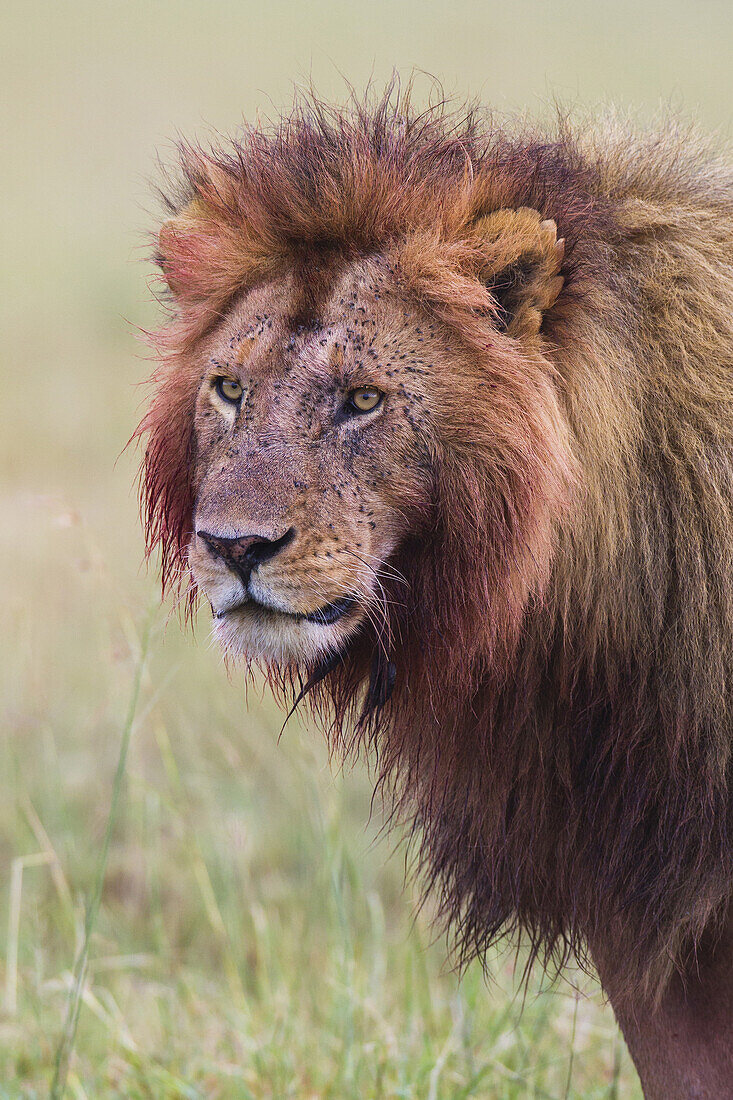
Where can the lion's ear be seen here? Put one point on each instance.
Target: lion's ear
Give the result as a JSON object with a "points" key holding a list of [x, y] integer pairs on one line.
{"points": [[522, 268], [181, 247]]}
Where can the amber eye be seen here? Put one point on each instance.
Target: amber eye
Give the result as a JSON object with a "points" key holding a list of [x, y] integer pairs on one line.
{"points": [[229, 390], [364, 399]]}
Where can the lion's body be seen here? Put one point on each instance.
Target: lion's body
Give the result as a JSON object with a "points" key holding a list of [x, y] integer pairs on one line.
{"points": [[561, 631]]}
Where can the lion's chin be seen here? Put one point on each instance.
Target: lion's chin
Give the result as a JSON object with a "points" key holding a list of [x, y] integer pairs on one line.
{"points": [[263, 634]]}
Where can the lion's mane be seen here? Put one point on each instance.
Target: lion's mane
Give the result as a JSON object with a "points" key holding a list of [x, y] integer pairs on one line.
{"points": [[560, 726]]}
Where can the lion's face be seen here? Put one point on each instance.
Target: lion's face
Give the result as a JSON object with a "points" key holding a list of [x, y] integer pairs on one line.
{"points": [[355, 430], [313, 458]]}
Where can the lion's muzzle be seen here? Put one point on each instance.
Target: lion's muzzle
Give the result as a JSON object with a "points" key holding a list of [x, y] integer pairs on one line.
{"points": [[263, 603]]}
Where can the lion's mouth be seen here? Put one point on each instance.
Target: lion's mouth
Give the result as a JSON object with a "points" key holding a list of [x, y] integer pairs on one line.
{"points": [[323, 616]]}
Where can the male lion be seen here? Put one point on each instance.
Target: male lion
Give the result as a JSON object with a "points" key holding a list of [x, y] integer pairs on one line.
{"points": [[443, 430]]}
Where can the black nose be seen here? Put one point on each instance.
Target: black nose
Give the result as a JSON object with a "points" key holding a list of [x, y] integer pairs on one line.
{"points": [[244, 552]]}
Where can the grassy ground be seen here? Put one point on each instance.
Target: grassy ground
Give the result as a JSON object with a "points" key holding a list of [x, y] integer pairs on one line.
{"points": [[254, 937]]}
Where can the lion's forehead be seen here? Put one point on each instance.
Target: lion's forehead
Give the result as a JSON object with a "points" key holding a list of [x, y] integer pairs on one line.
{"points": [[355, 320], [296, 370]]}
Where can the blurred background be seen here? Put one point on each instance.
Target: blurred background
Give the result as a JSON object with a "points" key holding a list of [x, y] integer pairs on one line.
{"points": [[255, 938]]}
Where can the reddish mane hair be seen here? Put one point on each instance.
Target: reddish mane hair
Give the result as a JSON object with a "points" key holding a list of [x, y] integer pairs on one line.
{"points": [[554, 732]]}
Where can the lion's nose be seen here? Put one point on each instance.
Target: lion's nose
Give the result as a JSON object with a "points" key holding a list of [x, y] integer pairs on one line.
{"points": [[244, 552]]}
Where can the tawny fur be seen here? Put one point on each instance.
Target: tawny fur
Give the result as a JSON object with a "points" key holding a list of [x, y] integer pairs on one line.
{"points": [[560, 730]]}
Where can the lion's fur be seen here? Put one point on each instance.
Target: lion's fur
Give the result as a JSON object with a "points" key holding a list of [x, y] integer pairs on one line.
{"points": [[561, 725]]}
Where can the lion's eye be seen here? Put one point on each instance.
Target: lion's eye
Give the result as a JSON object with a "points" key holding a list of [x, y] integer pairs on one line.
{"points": [[364, 399], [229, 390]]}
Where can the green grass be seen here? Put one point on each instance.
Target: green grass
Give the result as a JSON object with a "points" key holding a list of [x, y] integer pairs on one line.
{"points": [[253, 940], [248, 932]]}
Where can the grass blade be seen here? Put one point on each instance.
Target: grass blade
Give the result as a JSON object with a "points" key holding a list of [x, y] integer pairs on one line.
{"points": [[68, 1036]]}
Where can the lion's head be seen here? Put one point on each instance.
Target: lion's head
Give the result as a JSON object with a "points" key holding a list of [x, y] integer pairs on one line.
{"points": [[323, 424], [356, 431]]}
